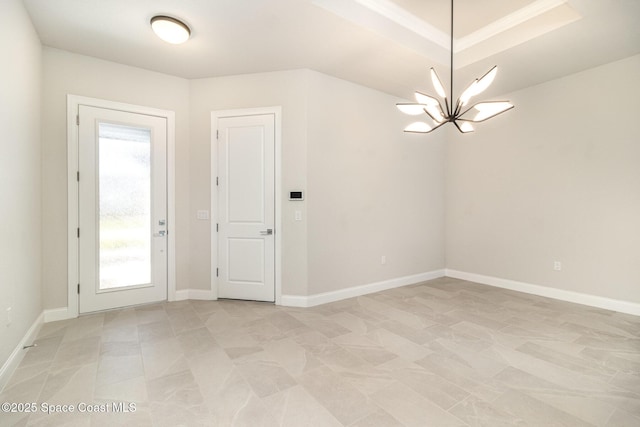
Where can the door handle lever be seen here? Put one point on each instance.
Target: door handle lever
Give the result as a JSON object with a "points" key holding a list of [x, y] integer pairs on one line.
{"points": [[267, 232], [161, 233]]}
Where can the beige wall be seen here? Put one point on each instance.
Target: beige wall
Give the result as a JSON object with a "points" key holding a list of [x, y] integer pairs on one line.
{"points": [[409, 245], [556, 179], [286, 89], [342, 145], [20, 188], [67, 73], [520, 193], [372, 191]]}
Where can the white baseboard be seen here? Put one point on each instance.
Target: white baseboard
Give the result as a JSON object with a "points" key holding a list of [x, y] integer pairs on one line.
{"points": [[55, 314], [356, 291], [545, 291], [195, 294], [294, 301], [181, 295], [18, 353]]}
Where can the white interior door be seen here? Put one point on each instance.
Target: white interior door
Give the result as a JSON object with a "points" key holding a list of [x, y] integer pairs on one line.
{"points": [[122, 208], [246, 207]]}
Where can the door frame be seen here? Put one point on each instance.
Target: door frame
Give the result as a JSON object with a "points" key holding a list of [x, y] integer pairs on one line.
{"points": [[276, 111], [73, 200]]}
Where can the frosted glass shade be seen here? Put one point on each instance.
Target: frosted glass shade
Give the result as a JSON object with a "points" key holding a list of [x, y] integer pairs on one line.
{"points": [[418, 127], [411, 109], [486, 110], [485, 81], [170, 29], [465, 127], [435, 113], [426, 99], [437, 84]]}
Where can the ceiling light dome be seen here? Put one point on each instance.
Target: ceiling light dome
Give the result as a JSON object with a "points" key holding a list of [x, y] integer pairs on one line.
{"points": [[170, 29]]}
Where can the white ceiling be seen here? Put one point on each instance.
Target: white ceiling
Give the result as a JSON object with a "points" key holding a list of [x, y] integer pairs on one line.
{"points": [[471, 15], [385, 44]]}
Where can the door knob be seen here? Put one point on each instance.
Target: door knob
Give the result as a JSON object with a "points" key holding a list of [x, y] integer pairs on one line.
{"points": [[267, 232]]}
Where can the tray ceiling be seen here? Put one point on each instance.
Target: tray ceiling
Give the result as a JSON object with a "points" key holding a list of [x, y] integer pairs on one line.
{"points": [[384, 44]]}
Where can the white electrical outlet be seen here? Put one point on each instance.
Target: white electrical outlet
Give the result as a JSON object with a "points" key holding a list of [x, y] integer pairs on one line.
{"points": [[383, 260], [557, 266], [298, 215], [8, 316]]}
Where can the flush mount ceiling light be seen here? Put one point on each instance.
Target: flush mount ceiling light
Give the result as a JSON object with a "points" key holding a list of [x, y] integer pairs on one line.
{"points": [[458, 114], [170, 29]]}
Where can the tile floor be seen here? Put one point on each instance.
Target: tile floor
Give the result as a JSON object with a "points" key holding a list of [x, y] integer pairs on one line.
{"points": [[443, 353]]}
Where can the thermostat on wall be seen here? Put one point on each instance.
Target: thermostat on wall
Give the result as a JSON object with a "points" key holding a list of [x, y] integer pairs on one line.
{"points": [[296, 195]]}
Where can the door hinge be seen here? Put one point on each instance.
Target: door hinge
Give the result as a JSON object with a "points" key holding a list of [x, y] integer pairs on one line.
{"points": [[78, 176], [216, 180], [217, 228], [216, 272], [78, 119], [78, 232], [78, 288], [217, 134]]}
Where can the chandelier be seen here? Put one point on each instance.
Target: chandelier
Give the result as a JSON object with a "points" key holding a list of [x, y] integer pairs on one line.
{"points": [[459, 114]]}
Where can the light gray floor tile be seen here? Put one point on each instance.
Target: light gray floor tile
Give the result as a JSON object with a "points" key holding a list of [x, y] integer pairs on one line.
{"points": [[342, 399], [295, 407], [477, 412], [411, 409], [378, 419], [620, 418], [443, 352], [534, 412], [264, 374]]}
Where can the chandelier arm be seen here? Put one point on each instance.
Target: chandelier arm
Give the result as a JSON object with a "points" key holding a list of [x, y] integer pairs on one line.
{"points": [[429, 131], [490, 117], [410, 108], [447, 106], [459, 117], [436, 127], [458, 126], [430, 99], [441, 124], [465, 112], [458, 108], [441, 112], [432, 118], [406, 130], [415, 131]]}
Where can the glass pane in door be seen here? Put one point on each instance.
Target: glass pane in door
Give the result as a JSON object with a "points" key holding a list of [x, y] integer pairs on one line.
{"points": [[124, 192]]}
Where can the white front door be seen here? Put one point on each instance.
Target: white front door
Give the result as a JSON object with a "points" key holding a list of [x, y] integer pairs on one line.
{"points": [[246, 207], [122, 208]]}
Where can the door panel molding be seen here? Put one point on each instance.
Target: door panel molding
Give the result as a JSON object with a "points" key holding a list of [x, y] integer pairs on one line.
{"points": [[276, 111], [73, 104]]}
